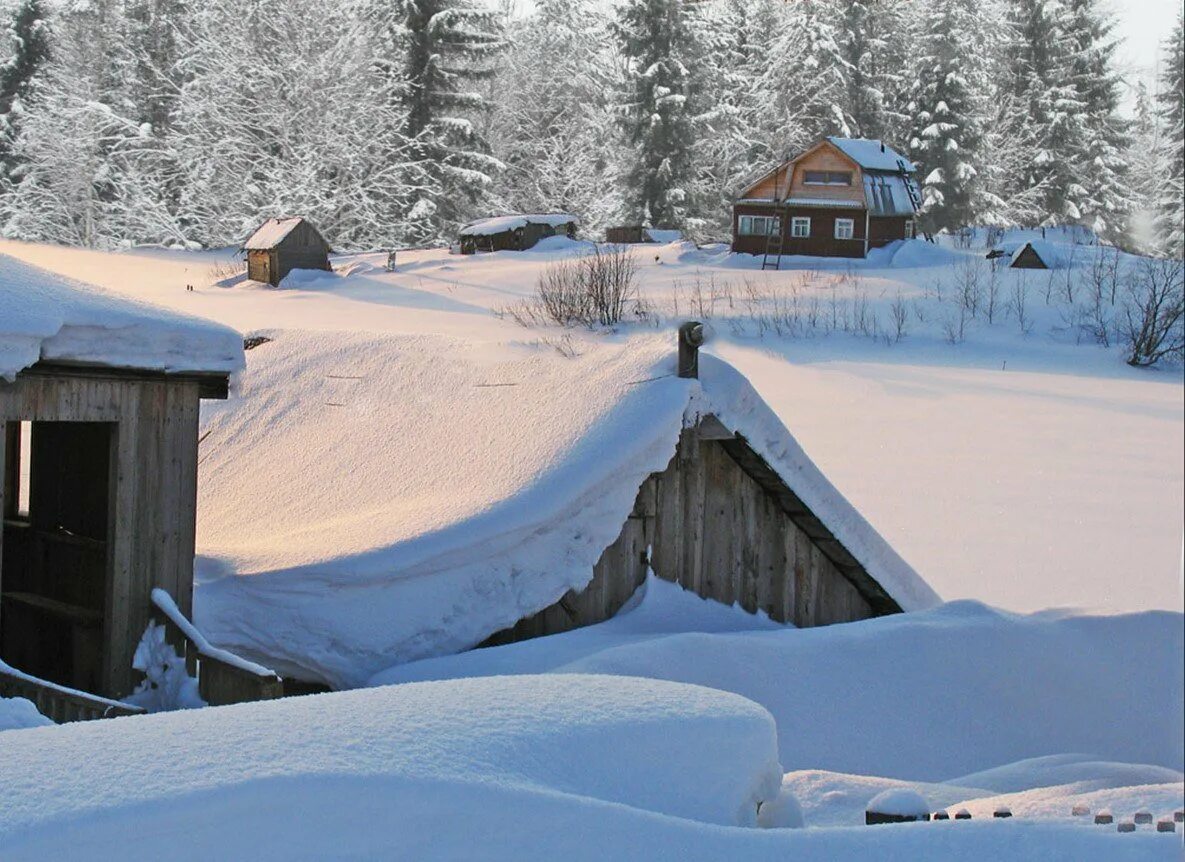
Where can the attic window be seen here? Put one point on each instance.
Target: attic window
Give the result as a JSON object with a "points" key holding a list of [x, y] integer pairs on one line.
{"points": [[827, 178]]}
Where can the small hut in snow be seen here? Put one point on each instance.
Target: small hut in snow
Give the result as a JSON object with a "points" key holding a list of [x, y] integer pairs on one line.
{"points": [[1034, 254], [469, 493], [99, 450], [281, 245], [515, 232]]}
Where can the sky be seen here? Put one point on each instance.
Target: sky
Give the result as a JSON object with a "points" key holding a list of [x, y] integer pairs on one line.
{"points": [[1143, 25]]}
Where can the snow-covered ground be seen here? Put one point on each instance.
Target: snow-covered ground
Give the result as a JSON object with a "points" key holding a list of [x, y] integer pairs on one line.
{"points": [[1026, 471]]}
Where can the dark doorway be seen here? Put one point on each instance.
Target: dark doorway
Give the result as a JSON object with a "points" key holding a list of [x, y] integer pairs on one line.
{"points": [[57, 523]]}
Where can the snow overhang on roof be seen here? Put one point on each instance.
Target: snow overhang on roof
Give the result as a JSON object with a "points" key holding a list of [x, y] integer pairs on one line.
{"points": [[480, 490], [501, 224], [872, 154], [48, 318], [271, 233]]}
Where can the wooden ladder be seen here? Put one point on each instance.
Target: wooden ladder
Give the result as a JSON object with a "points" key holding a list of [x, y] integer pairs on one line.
{"points": [[773, 243]]}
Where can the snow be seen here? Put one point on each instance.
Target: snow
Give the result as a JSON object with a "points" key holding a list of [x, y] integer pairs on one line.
{"points": [[271, 233], [454, 750], [165, 604], [17, 713], [500, 224], [479, 490], [899, 802], [49, 317], [934, 696], [167, 684], [871, 155]]}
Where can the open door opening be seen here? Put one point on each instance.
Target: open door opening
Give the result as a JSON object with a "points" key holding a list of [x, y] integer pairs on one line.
{"points": [[55, 569]]}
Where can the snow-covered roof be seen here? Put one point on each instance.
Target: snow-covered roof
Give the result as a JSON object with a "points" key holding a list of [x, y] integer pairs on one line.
{"points": [[271, 233], [372, 499], [888, 195], [501, 224], [1054, 255], [872, 155], [44, 316]]}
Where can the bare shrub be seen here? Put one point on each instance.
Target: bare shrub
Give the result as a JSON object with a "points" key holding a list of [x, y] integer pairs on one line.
{"points": [[598, 288], [899, 315], [1153, 323], [226, 269], [993, 295], [1018, 303], [970, 288]]}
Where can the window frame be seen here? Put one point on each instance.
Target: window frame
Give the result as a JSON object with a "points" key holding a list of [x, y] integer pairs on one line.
{"points": [[851, 228], [795, 222], [828, 178], [771, 224]]}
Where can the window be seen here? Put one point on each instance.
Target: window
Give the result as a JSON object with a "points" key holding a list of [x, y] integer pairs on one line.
{"points": [[24, 448], [800, 226], [844, 228], [910, 229], [827, 178], [758, 225]]}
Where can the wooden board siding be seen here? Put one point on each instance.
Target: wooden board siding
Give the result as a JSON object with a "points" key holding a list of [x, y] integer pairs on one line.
{"points": [[302, 248], [822, 240], [790, 178], [725, 530], [154, 490], [883, 230]]}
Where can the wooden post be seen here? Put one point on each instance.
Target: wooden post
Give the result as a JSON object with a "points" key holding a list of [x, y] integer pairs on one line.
{"points": [[691, 336], [1166, 825]]}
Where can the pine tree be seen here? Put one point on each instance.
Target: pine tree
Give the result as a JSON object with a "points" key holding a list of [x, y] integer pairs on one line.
{"points": [[873, 39], [1145, 155], [28, 36], [947, 142], [1172, 114], [1100, 162], [438, 51], [659, 41]]}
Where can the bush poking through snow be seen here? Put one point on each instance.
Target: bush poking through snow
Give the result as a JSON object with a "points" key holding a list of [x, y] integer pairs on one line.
{"points": [[597, 288], [1153, 324]]}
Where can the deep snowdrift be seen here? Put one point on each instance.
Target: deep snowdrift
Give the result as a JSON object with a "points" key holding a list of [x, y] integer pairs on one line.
{"points": [[678, 750], [370, 500], [48, 316], [926, 696]]}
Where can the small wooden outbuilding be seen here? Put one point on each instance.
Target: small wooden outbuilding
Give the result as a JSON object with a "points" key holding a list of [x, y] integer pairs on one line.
{"points": [[98, 485], [1028, 257], [515, 232], [281, 245]]}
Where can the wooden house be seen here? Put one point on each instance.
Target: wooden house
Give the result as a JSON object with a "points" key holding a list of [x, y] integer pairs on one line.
{"points": [[281, 245], [839, 198], [99, 453], [517, 493], [515, 232]]}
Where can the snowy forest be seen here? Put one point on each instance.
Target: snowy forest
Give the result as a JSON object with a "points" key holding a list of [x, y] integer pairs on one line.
{"points": [[390, 122]]}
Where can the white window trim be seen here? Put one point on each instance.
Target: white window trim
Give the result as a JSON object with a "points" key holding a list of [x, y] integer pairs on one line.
{"points": [[770, 222], [851, 223], [795, 222]]}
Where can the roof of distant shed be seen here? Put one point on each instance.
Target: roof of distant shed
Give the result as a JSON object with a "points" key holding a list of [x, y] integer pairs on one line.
{"points": [[46, 317], [501, 224], [272, 232], [872, 155]]}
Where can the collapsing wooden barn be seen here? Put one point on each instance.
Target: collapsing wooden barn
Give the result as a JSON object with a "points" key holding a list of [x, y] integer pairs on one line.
{"points": [[99, 456], [528, 494], [839, 198], [281, 245], [515, 232]]}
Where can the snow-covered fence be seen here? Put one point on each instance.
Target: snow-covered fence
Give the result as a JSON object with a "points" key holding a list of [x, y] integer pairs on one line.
{"points": [[223, 677], [57, 702]]}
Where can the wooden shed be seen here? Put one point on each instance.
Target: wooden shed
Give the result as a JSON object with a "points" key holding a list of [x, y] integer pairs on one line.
{"points": [[99, 454], [515, 232], [281, 245], [1028, 257]]}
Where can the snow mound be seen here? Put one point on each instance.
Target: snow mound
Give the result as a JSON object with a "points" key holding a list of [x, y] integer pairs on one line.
{"points": [[1058, 769], [372, 500], [304, 279], [500, 224], [44, 316], [781, 812], [561, 244], [899, 802], [912, 254], [676, 750], [920, 697], [17, 713], [840, 799]]}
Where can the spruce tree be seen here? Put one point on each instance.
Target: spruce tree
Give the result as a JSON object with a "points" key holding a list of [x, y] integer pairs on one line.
{"points": [[440, 50], [28, 37], [659, 41], [1172, 114], [947, 141]]}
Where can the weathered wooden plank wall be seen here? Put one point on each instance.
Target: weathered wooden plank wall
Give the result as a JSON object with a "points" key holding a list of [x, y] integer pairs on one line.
{"points": [[154, 477], [712, 527]]}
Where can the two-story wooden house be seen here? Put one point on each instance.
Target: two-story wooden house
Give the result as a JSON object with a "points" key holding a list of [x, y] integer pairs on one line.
{"points": [[840, 198]]}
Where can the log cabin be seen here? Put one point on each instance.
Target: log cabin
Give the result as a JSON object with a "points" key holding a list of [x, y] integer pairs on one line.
{"points": [[280, 245], [514, 232], [98, 482], [839, 198]]}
